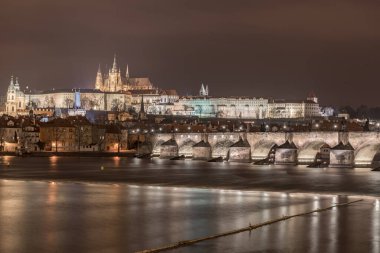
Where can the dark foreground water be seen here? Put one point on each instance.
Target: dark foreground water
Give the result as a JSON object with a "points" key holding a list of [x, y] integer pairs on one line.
{"points": [[127, 205], [85, 217]]}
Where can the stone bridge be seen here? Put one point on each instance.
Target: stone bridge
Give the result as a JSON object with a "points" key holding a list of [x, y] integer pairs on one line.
{"points": [[366, 144]]}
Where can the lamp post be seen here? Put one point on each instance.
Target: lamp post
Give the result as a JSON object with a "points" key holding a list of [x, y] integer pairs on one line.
{"points": [[101, 139], [80, 130]]}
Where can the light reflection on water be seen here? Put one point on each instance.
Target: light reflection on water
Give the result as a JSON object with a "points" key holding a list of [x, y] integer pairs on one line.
{"points": [[71, 216], [91, 217]]}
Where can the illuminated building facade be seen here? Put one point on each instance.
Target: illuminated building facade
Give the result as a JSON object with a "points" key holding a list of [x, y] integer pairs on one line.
{"points": [[115, 91]]}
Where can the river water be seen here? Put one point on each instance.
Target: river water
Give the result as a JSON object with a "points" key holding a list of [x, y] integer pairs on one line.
{"points": [[126, 205]]}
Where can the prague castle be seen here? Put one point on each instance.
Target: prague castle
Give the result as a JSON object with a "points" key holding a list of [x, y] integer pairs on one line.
{"points": [[113, 81], [115, 90]]}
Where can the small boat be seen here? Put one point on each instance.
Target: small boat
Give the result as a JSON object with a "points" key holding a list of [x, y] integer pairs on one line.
{"points": [[318, 164], [264, 161], [143, 156], [216, 160], [181, 157]]}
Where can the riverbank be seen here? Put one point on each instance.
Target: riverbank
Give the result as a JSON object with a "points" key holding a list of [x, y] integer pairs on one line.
{"points": [[74, 154]]}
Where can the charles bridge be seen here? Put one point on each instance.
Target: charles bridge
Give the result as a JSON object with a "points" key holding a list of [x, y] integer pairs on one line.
{"points": [[351, 148]]}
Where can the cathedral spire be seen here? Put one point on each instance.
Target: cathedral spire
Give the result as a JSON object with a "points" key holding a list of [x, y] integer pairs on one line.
{"points": [[99, 79], [127, 73], [141, 115], [11, 83], [202, 91], [114, 66]]}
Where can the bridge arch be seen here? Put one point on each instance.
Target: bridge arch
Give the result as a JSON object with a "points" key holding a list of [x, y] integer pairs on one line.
{"points": [[261, 149], [366, 152], [156, 142], [221, 148], [186, 148], [308, 152]]}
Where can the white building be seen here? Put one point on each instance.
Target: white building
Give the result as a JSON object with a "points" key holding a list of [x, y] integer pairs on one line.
{"points": [[116, 92], [15, 98], [282, 108], [222, 107]]}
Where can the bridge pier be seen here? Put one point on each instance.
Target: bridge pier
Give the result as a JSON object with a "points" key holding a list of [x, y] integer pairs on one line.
{"points": [[240, 151], [342, 156], [366, 146], [169, 149], [286, 154], [202, 150]]}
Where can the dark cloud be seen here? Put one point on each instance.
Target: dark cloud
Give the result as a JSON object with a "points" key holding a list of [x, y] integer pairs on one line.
{"points": [[252, 47]]}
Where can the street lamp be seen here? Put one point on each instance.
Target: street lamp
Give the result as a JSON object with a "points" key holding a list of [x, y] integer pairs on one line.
{"points": [[101, 139]]}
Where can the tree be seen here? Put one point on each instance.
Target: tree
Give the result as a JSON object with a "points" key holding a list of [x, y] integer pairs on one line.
{"points": [[349, 110], [58, 133], [49, 102], [362, 112], [81, 134], [366, 126], [69, 102], [116, 104], [2, 133], [41, 145], [85, 103]]}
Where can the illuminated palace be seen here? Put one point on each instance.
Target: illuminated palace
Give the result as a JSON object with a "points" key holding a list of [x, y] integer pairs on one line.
{"points": [[115, 90]]}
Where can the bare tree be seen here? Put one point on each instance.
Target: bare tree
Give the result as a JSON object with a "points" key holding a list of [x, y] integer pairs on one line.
{"points": [[58, 134], [2, 134], [85, 102], [116, 104], [81, 134], [69, 102]]}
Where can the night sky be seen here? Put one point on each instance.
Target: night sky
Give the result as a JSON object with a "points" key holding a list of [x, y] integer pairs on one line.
{"points": [[281, 49]]}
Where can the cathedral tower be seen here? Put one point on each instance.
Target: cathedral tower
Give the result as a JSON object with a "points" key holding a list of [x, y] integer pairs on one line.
{"points": [[99, 80], [114, 82], [15, 97], [203, 91]]}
